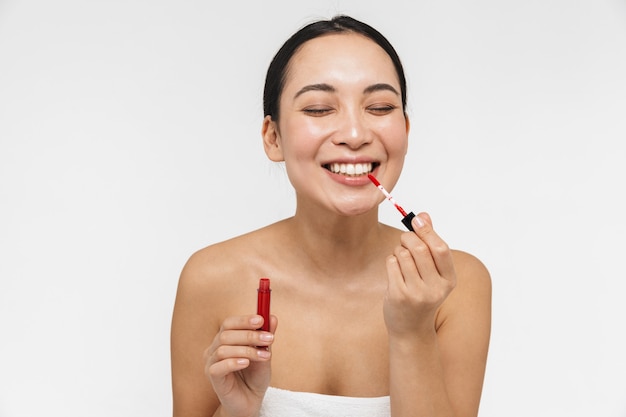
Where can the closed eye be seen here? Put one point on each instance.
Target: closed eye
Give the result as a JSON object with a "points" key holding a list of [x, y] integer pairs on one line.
{"points": [[317, 111], [381, 110]]}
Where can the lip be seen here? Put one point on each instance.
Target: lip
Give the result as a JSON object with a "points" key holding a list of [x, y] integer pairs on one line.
{"points": [[352, 160], [351, 180]]}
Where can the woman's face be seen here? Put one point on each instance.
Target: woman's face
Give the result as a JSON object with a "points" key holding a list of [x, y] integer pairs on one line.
{"points": [[341, 117]]}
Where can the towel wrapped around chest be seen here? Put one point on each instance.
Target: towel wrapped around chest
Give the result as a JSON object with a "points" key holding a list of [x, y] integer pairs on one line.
{"points": [[284, 403]]}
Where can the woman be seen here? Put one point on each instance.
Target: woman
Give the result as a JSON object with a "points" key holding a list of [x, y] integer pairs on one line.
{"points": [[373, 320]]}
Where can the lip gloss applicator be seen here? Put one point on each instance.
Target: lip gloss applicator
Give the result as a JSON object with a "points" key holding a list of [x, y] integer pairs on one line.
{"points": [[407, 217]]}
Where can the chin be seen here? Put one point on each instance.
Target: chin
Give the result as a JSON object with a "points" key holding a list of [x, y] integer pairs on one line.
{"points": [[353, 210]]}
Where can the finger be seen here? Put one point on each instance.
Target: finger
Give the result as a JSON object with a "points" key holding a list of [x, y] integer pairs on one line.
{"points": [[249, 322], [426, 217], [218, 371], [396, 285], [420, 257], [252, 354], [273, 323], [244, 338], [438, 248], [408, 265]]}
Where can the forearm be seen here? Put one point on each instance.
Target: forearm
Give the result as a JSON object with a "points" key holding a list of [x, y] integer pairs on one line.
{"points": [[417, 384]]}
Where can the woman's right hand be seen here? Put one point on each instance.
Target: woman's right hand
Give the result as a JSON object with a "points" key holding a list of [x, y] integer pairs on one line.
{"points": [[238, 364]]}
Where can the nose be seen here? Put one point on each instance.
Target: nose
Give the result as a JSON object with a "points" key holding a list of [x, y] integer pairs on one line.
{"points": [[352, 131]]}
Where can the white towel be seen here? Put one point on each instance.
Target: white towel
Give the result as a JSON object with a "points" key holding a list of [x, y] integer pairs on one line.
{"points": [[283, 403]]}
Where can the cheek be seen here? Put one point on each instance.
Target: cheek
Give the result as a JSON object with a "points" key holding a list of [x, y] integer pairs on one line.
{"points": [[302, 137], [397, 141]]}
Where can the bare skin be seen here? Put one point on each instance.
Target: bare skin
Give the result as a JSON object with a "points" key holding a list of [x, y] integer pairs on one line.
{"points": [[359, 308]]}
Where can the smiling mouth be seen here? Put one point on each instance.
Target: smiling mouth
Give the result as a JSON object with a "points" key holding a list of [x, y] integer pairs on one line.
{"points": [[351, 170]]}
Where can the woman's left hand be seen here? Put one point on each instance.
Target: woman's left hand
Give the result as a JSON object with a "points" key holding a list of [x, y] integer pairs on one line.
{"points": [[421, 275]]}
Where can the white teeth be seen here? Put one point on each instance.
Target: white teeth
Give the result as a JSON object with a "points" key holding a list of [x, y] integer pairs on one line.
{"points": [[351, 169]]}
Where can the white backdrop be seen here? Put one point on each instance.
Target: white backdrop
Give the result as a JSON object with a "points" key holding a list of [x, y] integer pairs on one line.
{"points": [[129, 138]]}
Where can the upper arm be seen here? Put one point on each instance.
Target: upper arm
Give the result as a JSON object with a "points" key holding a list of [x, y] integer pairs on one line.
{"points": [[464, 327], [193, 328]]}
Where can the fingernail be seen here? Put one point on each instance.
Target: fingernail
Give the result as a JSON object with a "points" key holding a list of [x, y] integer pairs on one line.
{"points": [[263, 354], [417, 222], [266, 337], [255, 320]]}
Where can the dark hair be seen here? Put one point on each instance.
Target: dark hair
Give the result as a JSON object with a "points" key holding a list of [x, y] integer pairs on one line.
{"points": [[276, 73]]}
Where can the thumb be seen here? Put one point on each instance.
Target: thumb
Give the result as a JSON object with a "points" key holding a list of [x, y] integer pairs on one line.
{"points": [[426, 217]]}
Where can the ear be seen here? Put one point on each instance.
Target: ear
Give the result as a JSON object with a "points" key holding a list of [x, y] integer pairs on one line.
{"points": [[407, 123], [271, 140]]}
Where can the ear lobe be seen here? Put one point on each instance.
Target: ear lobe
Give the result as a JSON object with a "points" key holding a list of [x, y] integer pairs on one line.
{"points": [[271, 140]]}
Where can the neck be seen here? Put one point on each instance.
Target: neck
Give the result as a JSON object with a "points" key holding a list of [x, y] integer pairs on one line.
{"points": [[337, 243]]}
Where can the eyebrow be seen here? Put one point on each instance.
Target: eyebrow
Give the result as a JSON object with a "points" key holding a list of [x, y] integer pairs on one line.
{"points": [[380, 87], [330, 89], [315, 87]]}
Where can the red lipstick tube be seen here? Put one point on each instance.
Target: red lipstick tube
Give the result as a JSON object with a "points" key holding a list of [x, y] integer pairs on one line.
{"points": [[263, 303]]}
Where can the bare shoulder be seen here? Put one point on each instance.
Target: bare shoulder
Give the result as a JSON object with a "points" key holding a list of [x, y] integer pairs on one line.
{"points": [[214, 271], [207, 266], [471, 272], [472, 294], [208, 269]]}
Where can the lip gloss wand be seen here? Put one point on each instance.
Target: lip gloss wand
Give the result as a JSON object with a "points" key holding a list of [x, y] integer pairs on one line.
{"points": [[407, 217]]}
